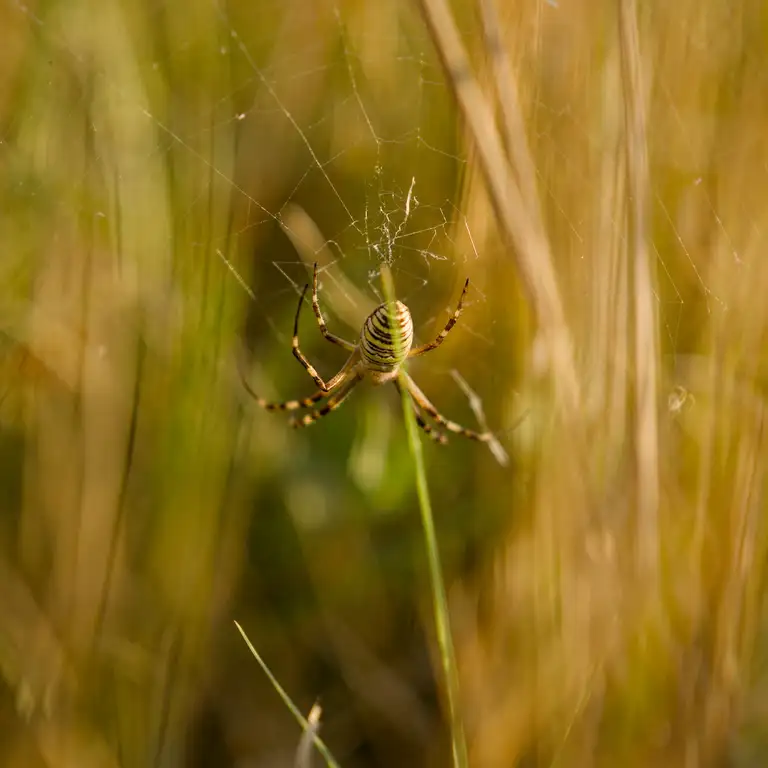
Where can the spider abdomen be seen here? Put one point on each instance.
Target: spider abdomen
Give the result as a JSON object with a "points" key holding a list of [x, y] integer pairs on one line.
{"points": [[384, 347]]}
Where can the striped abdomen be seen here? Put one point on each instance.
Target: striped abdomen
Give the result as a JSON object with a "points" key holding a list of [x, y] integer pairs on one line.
{"points": [[384, 348]]}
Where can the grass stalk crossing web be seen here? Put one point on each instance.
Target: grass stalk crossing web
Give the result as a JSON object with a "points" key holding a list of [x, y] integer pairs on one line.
{"points": [[439, 598]]}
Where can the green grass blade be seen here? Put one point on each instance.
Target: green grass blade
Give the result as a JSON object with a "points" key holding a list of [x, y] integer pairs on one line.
{"points": [[439, 599], [307, 727]]}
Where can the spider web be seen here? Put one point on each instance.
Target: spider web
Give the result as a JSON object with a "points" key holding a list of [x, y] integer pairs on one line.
{"points": [[388, 220], [398, 217], [341, 147]]}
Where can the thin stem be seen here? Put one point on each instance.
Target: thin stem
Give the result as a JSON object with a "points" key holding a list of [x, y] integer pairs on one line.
{"points": [[439, 598], [294, 710]]}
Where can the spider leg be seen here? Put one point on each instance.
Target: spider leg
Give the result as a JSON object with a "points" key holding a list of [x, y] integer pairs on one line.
{"points": [[299, 355], [285, 405], [441, 336], [433, 433], [293, 405], [321, 322], [331, 404], [423, 401]]}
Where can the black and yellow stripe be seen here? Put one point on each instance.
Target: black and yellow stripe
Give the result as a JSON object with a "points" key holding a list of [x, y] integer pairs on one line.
{"points": [[331, 404], [424, 403], [433, 433], [385, 346], [452, 320], [287, 405], [332, 337]]}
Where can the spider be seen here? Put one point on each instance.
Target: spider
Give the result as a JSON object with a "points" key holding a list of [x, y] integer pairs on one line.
{"points": [[377, 356]]}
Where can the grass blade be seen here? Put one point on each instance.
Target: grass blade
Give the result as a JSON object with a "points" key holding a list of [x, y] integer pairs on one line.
{"points": [[307, 726], [439, 599]]}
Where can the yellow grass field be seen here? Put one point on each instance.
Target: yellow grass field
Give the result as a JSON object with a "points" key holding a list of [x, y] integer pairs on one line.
{"points": [[170, 172]]}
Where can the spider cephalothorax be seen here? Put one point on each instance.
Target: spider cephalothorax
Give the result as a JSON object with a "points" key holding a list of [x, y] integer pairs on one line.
{"points": [[386, 342]]}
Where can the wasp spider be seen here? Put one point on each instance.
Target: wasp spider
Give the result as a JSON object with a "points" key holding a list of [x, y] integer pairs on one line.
{"points": [[379, 356]]}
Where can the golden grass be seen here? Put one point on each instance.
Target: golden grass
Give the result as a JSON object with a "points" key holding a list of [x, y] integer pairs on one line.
{"points": [[613, 637], [606, 589]]}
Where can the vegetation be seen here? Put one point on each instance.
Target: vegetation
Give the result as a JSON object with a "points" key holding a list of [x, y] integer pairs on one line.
{"points": [[171, 171]]}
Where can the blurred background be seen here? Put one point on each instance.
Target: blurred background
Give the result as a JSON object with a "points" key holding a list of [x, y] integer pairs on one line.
{"points": [[169, 172]]}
